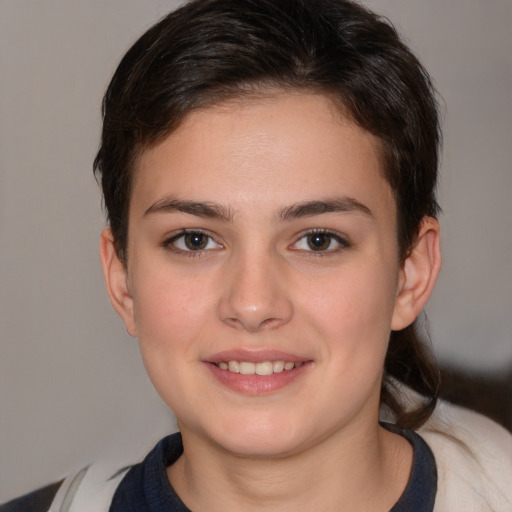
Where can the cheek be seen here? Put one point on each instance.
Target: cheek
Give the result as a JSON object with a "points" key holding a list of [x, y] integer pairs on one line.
{"points": [[171, 312], [355, 298], [353, 310], [171, 316]]}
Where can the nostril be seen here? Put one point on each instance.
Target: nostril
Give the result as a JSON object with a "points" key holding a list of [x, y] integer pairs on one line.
{"points": [[253, 326], [269, 323]]}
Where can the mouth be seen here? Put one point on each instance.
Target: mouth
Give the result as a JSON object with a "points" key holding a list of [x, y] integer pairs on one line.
{"points": [[263, 368], [257, 372]]}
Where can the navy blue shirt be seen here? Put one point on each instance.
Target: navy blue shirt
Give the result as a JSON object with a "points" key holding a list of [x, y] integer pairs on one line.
{"points": [[146, 488]]}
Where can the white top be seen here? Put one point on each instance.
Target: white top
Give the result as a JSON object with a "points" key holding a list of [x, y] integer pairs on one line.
{"points": [[474, 461]]}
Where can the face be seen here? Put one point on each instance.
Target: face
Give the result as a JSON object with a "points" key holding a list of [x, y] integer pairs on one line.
{"points": [[263, 273]]}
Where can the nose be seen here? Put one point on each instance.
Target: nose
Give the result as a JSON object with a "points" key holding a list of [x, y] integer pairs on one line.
{"points": [[254, 294]]}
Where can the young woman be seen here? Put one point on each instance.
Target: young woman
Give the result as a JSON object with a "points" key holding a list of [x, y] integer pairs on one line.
{"points": [[269, 171]]}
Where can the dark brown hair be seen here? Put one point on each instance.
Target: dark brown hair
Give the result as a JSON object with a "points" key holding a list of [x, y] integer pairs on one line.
{"points": [[209, 51]]}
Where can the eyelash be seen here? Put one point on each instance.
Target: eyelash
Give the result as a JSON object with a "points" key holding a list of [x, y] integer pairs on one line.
{"points": [[170, 243], [332, 237]]}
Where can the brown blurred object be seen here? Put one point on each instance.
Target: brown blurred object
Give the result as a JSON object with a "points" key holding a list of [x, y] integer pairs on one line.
{"points": [[489, 393]]}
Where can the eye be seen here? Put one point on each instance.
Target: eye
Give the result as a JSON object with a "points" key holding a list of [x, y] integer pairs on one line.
{"points": [[192, 241], [320, 241]]}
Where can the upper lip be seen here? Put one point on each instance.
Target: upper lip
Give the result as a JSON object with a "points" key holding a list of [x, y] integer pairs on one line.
{"points": [[255, 356]]}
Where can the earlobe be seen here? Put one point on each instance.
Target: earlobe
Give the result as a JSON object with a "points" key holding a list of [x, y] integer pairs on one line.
{"points": [[116, 281], [418, 275]]}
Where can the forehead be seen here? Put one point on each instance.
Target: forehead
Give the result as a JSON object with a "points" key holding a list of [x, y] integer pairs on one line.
{"points": [[284, 146]]}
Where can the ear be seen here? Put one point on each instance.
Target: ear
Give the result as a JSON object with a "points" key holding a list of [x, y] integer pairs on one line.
{"points": [[116, 280], [418, 275]]}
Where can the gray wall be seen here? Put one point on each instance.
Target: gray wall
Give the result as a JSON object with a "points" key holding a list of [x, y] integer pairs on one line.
{"points": [[71, 384]]}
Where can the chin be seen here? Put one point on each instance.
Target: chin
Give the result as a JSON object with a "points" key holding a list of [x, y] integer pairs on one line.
{"points": [[259, 438]]}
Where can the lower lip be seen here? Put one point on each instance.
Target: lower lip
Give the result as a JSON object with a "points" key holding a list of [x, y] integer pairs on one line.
{"points": [[257, 384]]}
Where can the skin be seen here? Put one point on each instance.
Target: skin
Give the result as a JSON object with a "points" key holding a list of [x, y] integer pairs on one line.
{"points": [[238, 176]]}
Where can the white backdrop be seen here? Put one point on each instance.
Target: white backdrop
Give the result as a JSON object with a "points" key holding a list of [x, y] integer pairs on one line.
{"points": [[71, 383]]}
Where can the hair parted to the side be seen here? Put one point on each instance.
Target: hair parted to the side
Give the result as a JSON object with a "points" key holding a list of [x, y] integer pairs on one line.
{"points": [[209, 51]]}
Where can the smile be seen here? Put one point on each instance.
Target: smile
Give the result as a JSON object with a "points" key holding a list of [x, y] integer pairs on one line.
{"points": [[257, 372], [262, 368]]}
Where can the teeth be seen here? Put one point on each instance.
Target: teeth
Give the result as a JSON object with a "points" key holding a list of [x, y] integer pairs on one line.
{"points": [[266, 368], [234, 366], [263, 368], [247, 368], [278, 366]]}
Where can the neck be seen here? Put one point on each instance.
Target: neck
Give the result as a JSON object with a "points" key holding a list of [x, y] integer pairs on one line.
{"points": [[353, 470]]}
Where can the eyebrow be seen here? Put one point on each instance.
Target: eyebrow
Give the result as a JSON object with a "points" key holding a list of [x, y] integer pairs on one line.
{"points": [[212, 210], [198, 208], [334, 205]]}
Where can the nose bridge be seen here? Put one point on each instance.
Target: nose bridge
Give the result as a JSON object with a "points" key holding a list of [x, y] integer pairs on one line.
{"points": [[255, 294]]}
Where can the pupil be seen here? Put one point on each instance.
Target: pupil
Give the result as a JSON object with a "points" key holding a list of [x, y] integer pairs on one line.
{"points": [[196, 241], [319, 241]]}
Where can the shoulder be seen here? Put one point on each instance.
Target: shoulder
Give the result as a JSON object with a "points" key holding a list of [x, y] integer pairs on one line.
{"points": [[92, 488], [474, 460], [89, 489], [37, 501]]}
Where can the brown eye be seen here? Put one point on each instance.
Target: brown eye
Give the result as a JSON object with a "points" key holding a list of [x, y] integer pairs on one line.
{"points": [[192, 241], [196, 241], [319, 241]]}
